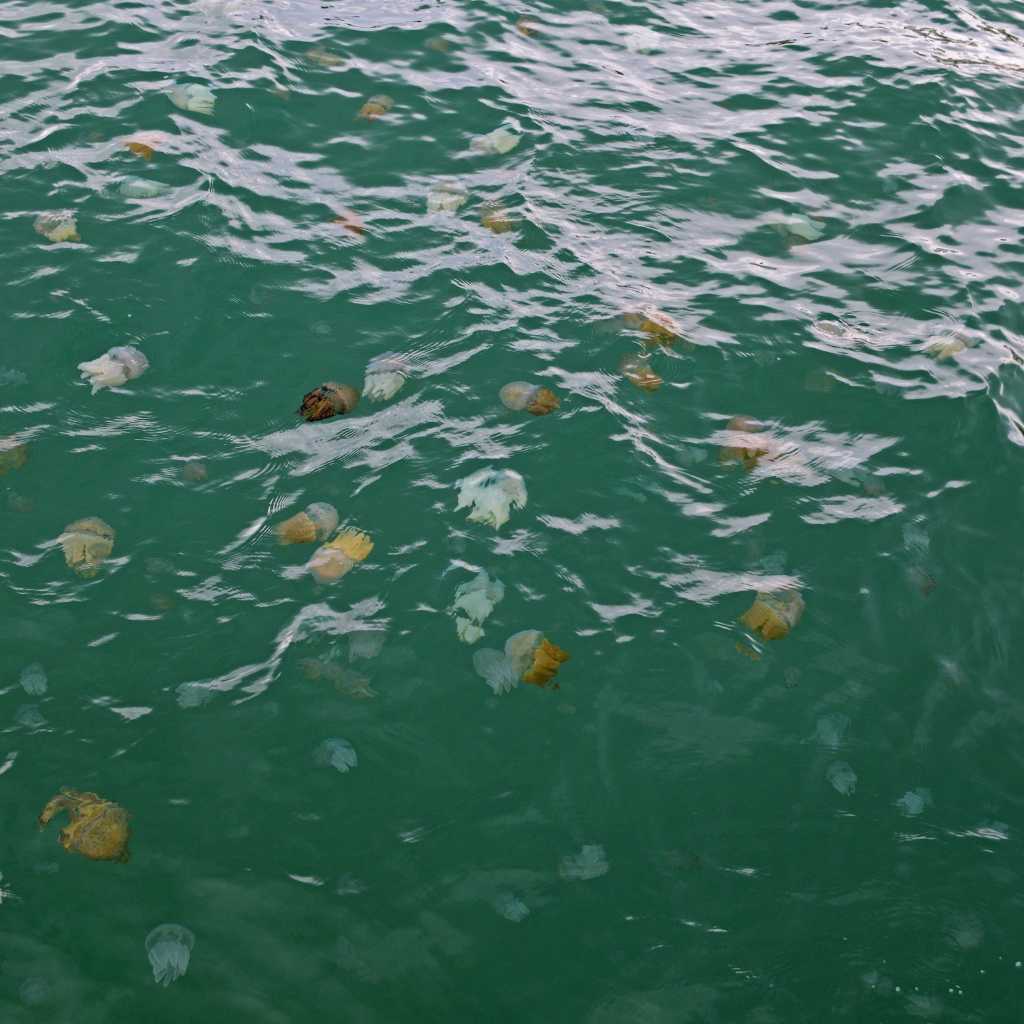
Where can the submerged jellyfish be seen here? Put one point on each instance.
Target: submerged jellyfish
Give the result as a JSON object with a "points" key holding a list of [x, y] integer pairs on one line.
{"points": [[637, 370], [914, 801], [534, 399], [30, 717], [87, 543], [328, 400], [318, 521], [114, 368], [336, 753], [196, 99], [448, 197], [591, 862], [774, 615], [336, 558], [365, 643], [474, 602], [325, 58], [659, 327], [385, 376], [142, 188], [169, 947], [842, 777], [33, 679], [511, 907], [496, 219], [496, 670], [57, 227], [13, 455], [830, 730], [501, 140], [748, 445], [528, 657], [374, 107], [799, 229], [490, 494], [194, 472]]}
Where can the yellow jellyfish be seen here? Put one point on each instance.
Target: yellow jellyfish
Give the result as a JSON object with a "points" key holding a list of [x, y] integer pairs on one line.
{"points": [[12, 454], [525, 27], [497, 220], [319, 520], [659, 327], [536, 400], [57, 227], [773, 615], [336, 558], [87, 543], [374, 107], [748, 447], [637, 370]]}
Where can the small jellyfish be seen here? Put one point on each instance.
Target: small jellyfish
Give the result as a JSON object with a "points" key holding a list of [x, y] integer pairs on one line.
{"points": [[496, 219], [169, 947], [317, 522], [115, 367], [914, 801], [773, 615], [350, 221], [747, 445], [501, 140], [35, 991], [194, 98], [193, 695], [799, 230], [659, 327], [365, 643], [385, 376], [87, 543], [637, 370], [511, 907], [194, 472], [830, 730], [490, 494], [448, 197], [536, 400], [13, 455], [525, 27], [33, 679], [28, 716], [336, 753], [474, 602], [842, 778], [944, 347], [374, 107], [498, 671], [331, 561], [145, 144], [57, 227], [142, 188], [591, 862], [328, 400], [325, 58], [536, 659]]}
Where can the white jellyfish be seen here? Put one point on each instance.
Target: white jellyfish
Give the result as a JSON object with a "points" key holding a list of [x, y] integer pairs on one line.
{"points": [[196, 99], [830, 730], [57, 227], [474, 602], [115, 367], [142, 188], [511, 907], [336, 753], [498, 671], [448, 197], [590, 862], [842, 777], [385, 376], [501, 140], [169, 947], [914, 801], [799, 229], [33, 679], [490, 494]]}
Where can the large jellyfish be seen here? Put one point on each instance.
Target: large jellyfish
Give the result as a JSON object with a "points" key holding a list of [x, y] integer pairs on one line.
{"points": [[528, 657], [385, 376], [336, 753], [331, 561], [773, 615], [57, 227], [115, 367], [474, 602], [536, 400], [501, 140], [194, 98], [328, 400], [87, 543], [490, 494], [169, 947], [318, 521]]}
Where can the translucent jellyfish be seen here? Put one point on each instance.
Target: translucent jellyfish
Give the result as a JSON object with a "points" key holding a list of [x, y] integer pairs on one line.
{"points": [[799, 229], [774, 615], [591, 862], [33, 679], [467, 630], [317, 522], [338, 557], [501, 140], [28, 716], [142, 188], [535, 658], [115, 367], [87, 543], [448, 197], [374, 107], [746, 442], [842, 777], [325, 58], [830, 730], [914, 801], [336, 753], [385, 376], [474, 602], [194, 472], [57, 227], [193, 695], [328, 400], [194, 98], [169, 947], [365, 644], [496, 219], [511, 907], [498, 671], [659, 327], [490, 494], [12, 454], [536, 400], [637, 370]]}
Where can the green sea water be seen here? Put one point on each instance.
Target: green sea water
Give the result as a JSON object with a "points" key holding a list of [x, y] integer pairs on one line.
{"points": [[698, 824]]}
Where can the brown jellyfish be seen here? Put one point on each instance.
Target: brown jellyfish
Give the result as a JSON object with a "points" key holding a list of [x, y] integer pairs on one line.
{"points": [[194, 472], [637, 370], [659, 327], [140, 149], [98, 828], [374, 107], [331, 561], [87, 543], [536, 400], [350, 221], [318, 521], [12, 454], [328, 400], [547, 659], [748, 447], [773, 615]]}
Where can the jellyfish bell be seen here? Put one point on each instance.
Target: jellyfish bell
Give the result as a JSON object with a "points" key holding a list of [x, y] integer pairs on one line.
{"points": [[142, 188], [519, 396], [496, 219], [535, 658], [98, 829], [774, 615], [336, 753], [490, 494], [500, 141], [33, 679], [169, 947], [448, 197], [115, 367], [57, 227], [658, 327], [318, 521], [145, 144], [328, 400], [497, 670], [333, 560], [374, 107], [385, 377], [87, 543], [13, 454], [748, 444], [195, 98], [474, 601], [637, 370], [946, 346]]}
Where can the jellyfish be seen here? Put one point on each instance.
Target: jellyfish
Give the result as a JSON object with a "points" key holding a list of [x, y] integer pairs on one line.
{"points": [[318, 521], [773, 615], [114, 368], [87, 543], [385, 376], [169, 947], [350, 221], [525, 27], [194, 98], [328, 400], [448, 197], [57, 227], [659, 327], [536, 659], [438, 44], [591, 862], [534, 399], [914, 801], [30, 717], [145, 144], [33, 679], [141, 188], [637, 370], [325, 58], [12, 454], [842, 778], [798, 229], [490, 494], [194, 472], [946, 346], [474, 602], [511, 907], [374, 107], [344, 680], [501, 140], [496, 219], [336, 558], [748, 447], [336, 753], [496, 669], [830, 730]]}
